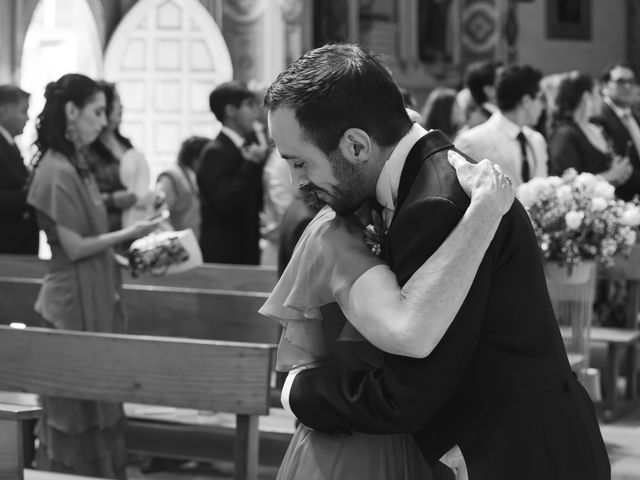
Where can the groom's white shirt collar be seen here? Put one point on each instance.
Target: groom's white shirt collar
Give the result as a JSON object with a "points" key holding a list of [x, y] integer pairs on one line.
{"points": [[389, 179]]}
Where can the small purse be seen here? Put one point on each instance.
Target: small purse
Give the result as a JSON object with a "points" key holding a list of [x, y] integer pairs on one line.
{"points": [[164, 252]]}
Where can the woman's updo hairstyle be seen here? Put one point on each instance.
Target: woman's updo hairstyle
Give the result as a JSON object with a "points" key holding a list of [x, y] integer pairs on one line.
{"points": [[51, 124]]}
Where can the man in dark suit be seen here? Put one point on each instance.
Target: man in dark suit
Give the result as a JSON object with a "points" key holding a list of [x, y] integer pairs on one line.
{"points": [[17, 220], [230, 180], [619, 123], [497, 397]]}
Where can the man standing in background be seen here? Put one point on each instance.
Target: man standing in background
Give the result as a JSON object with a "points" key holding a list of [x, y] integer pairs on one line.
{"points": [[17, 220], [230, 180], [508, 138]]}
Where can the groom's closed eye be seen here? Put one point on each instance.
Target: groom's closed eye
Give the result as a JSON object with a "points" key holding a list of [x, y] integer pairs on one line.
{"points": [[309, 188]]}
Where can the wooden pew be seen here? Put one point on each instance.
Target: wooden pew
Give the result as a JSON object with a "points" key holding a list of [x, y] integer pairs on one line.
{"points": [[228, 377], [215, 302], [214, 276]]}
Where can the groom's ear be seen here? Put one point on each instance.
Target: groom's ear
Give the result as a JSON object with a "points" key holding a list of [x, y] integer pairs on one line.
{"points": [[355, 145]]}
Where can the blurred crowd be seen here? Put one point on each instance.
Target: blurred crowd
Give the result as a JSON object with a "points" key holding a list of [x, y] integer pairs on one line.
{"points": [[233, 190], [534, 125]]}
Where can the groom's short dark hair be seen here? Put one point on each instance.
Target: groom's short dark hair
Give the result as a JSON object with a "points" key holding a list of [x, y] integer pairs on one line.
{"points": [[337, 87]]}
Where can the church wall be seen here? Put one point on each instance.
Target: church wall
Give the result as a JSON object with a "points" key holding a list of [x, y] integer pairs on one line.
{"points": [[607, 44], [613, 37]]}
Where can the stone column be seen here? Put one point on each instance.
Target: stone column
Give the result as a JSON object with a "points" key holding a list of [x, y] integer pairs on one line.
{"points": [[243, 27], [292, 14], [15, 16]]}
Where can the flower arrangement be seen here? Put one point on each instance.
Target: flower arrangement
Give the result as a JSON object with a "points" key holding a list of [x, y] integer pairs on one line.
{"points": [[576, 217], [375, 233]]}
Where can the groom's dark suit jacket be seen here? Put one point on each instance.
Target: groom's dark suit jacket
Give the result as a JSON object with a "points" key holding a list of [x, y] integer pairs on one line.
{"points": [[18, 229], [499, 384]]}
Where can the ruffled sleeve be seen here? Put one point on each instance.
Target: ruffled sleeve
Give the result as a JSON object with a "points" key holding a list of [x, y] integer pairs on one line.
{"points": [[330, 255]]}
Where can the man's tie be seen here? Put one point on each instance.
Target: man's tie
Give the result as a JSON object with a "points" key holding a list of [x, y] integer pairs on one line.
{"points": [[525, 172]]}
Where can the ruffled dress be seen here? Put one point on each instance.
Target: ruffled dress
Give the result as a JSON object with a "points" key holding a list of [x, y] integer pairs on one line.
{"points": [[330, 255], [77, 436]]}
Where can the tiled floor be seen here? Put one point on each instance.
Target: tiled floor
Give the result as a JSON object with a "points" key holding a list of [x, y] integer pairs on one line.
{"points": [[623, 444], [194, 471], [622, 438]]}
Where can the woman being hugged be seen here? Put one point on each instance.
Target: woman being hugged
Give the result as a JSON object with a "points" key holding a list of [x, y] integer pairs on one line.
{"points": [[336, 292], [79, 291]]}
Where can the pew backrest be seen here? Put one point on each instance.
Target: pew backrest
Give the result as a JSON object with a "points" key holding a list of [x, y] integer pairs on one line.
{"points": [[163, 305], [213, 276]]}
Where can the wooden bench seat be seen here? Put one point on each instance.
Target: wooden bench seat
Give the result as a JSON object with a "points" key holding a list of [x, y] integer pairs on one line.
{"points": [[230, 377]]}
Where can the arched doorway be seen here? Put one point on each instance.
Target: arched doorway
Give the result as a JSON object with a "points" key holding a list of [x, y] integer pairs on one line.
{"points": [[62, 37], [166, 56]]}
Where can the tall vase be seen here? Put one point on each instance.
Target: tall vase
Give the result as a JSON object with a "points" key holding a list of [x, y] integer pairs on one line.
{"points": [[572, 293], [570, 275]]}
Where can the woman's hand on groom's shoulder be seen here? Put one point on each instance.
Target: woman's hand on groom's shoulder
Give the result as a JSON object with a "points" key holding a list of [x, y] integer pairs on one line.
{"points": [[484, 182]]}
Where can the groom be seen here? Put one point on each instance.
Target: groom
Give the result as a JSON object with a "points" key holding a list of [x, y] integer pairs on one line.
{"points": [[497, 397]]}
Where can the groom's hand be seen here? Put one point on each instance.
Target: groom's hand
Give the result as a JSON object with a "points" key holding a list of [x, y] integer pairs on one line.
{"points": [[484, 182]]}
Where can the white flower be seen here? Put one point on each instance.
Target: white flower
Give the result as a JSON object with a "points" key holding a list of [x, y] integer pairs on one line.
{"points": [[526, 194], [604, 189], [573, 219], [587, 180], [630, 237], [564, 193], [554, 181], [541, 185], [598, 204], [631, 216]]}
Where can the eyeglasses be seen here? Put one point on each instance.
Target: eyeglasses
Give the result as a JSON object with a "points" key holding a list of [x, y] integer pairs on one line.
{"points": [[626, 82]]}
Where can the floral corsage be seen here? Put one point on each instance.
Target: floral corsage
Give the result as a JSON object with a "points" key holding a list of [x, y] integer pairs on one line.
{"points": [[375, 233]]}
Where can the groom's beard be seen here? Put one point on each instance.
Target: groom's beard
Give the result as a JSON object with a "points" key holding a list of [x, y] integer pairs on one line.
{"points": [[346, 196]]}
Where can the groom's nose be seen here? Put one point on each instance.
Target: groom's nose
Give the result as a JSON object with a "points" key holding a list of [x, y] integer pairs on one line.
{"points": [[298, 178]]}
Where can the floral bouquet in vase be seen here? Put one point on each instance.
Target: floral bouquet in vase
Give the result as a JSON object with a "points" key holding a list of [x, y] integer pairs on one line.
{"points": [[576, 217]]}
